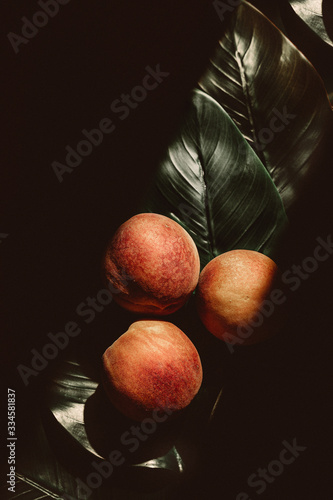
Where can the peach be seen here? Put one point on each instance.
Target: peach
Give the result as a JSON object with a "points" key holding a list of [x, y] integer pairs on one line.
{"points": [[153, 367], [159, 259], [232, 290]]}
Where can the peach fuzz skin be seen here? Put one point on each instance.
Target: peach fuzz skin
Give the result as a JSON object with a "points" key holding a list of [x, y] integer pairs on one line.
{"points": [[153, 366], [230, 292], [159, 260]]}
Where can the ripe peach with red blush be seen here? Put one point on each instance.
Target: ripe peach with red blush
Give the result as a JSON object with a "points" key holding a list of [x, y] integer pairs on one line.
{"points": [[152, 367], [231, 291], [160, 261]]}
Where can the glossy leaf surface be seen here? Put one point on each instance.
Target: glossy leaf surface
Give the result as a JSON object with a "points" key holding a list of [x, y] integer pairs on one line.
{"points": [[212, 183], [81, 413], [274, 95], [80, 416], [312, 13]]}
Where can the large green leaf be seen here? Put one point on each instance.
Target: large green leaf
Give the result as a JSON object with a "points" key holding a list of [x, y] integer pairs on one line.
{"points": [[213, 183], [82, 416], [274, 95]]}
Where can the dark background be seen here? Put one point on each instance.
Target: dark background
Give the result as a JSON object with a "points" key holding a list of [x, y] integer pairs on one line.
{"points": [[64, 80]]}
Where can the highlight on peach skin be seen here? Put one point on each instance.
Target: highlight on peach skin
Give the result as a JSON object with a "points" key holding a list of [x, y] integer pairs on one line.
{"points": [[153, 366], [231, 290], [162, 260]]}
